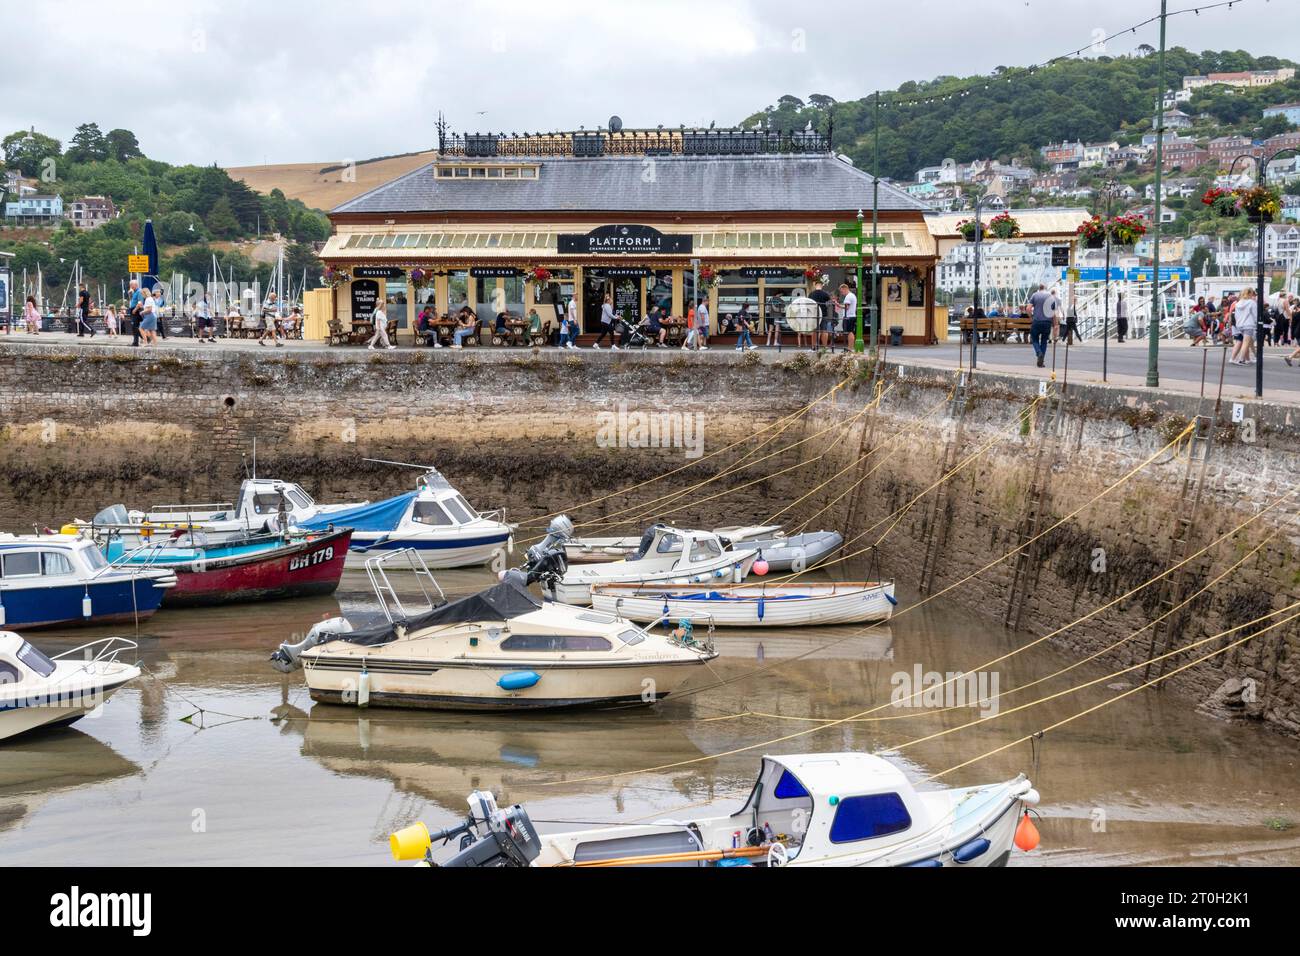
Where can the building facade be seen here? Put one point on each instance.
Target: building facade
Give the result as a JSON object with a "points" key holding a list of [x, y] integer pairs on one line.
{"points": [[90, 212], [35, 209], [502, 223]]}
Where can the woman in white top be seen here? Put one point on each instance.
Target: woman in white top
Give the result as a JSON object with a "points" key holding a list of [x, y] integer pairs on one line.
{"points": [[1246, 320], [380, 338], [110, 320], [31, 316]]}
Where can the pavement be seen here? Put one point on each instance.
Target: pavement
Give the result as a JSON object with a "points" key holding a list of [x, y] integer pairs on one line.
{"points": [[1181, 366]]}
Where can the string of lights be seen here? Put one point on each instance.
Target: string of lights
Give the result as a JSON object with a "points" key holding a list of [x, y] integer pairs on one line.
{"points": [[987, 82]]}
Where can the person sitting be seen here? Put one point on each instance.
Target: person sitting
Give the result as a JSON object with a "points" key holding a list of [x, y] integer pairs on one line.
{"points": [[466, 325], [425, 328], [534, 325], [500, 328], [657, 328]]}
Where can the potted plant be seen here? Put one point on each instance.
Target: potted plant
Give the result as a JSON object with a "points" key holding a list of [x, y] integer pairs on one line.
{"points": [[708, 278], [1127, 229], [1093, 232], [334, 278], [539, 275], [969, 231], [813, 274], [1259, 203], [1222, 202], [1004, 226]]}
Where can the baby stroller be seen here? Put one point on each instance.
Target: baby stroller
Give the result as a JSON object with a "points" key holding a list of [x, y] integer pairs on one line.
{"points": [[636, 334]]}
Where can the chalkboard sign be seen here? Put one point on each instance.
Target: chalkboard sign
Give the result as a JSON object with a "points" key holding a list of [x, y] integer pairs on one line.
{"points": [[365, 296], [627, 301]]}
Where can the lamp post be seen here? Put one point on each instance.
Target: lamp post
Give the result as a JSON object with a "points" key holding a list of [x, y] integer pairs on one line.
{"points": [[1261, 178], [975, 295], [1109, 190], [875, 231], [1153, 327]]}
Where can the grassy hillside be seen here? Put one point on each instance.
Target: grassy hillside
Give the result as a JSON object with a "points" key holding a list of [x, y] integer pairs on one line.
{"points": [[324, 186]]}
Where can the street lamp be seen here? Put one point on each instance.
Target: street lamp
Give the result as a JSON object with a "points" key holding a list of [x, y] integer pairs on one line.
{"points": [[1261, 177], [975, 296], [1109, 189]]}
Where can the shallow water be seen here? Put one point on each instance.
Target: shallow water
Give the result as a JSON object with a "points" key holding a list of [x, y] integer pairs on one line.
{"points": [[214, 757]]}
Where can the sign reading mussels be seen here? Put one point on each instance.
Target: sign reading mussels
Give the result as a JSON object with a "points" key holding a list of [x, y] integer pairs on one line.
{"points": [[624, 239], [378, 272]]}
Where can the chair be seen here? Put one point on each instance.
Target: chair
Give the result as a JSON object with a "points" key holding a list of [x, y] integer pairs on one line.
{"points": [[338, 335], [544, 336]]}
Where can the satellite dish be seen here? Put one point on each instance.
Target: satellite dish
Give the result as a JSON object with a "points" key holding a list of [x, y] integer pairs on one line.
{"points": [[615, 124]]}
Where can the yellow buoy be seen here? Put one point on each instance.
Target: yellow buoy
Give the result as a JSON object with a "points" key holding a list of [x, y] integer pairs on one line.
{"points": [[410, 843]]}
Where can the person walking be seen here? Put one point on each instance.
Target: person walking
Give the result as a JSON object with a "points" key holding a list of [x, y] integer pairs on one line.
{"points": [[1040, 326], [133, 307], [1072, 322], [380, 339], [271, 323], [744, 342], [1246, 321], [1121, 318], [31, 316], [204, 325], [572, 314], [606, 323], [148, 319], [83, 314], [159, 303], [702, 325]]}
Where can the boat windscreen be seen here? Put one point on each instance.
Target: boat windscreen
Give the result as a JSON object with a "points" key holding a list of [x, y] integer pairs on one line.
{"points": [[113, 514], [501, 602]]}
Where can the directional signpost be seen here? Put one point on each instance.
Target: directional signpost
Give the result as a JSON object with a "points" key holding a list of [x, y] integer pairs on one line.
{"points": [[855, 243]]}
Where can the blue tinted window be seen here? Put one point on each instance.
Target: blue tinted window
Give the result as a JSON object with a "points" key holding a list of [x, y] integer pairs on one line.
{"points": [[789, 786], [861, 818]]}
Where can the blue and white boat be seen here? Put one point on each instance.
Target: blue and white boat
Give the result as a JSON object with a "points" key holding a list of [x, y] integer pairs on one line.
{"points": [[60, 580], [435, 520]]}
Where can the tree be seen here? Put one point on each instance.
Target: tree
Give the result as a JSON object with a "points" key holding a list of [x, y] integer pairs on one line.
{"points": [[88, 144], [1202, 263], [122, 145], [221, 220], [29, 151], [181, 228]]}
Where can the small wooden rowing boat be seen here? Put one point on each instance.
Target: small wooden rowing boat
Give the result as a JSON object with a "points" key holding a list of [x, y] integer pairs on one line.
{"points": [[750, 605]]}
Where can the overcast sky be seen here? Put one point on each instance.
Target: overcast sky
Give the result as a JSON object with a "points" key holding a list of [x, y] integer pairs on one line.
{"points": [[237, 82]]}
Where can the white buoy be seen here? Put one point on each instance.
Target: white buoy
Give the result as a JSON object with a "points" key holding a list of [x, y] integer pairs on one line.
{"points": [[2, 615], [363, 688], [85, 605]]}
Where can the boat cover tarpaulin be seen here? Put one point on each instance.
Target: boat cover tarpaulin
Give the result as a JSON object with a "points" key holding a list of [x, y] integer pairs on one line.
{"points": [[501, 602], [380, 516]]}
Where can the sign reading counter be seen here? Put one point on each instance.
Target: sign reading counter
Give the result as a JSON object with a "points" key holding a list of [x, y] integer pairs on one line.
{"points": [[622, 239]]}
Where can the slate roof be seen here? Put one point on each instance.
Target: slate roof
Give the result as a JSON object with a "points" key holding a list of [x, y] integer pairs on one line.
{"points": [[778, 183]]}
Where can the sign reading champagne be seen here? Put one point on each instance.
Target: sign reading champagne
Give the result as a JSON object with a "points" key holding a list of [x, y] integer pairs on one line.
{"points": [[623, 240]]}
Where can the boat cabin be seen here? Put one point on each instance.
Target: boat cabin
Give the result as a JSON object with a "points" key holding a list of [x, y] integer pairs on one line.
{"points": [[20, 662], [48, 559], [673, 548], [834, 804]]}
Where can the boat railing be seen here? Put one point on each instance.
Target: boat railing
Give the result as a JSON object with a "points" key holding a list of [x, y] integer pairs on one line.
{"points": [[377, 572], [101, 652], [496, 514], [205, 508]]}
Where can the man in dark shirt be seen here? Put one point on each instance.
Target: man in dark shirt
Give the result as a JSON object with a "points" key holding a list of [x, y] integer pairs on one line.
{"points": [[83, 314], [825, 324]]}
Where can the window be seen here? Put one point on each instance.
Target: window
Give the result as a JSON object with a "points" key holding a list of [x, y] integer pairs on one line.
{"points": [[459, 510], [300, 498], [429, 512], [865, 818], [266, 504], [94, 557], [705, 551], [25, 564], [35, 660], [630, 637], [789, 787], [669, 544], [555, 642], [54, 562], [9, 674]]}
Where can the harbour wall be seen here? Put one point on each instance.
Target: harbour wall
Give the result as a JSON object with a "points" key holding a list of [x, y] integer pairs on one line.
{"points": [[538, 432]]}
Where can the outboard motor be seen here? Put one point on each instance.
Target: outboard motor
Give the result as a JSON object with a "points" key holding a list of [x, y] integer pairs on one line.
{"points": [[545, 561], [510, 840], [288, 657]]}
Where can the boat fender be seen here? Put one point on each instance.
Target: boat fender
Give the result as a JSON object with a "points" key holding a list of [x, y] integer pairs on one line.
{"points": [[2, 615], [518, 680], [971, 850], [761, 602], [86, 607], [363, 687], [931, 863], [890, 598]]}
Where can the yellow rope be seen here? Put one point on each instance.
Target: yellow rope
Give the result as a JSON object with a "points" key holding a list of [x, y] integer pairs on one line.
{"points": [[543, 519]]}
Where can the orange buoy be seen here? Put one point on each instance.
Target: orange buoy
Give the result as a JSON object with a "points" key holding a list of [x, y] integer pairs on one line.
{"points": [[1026, 833]]}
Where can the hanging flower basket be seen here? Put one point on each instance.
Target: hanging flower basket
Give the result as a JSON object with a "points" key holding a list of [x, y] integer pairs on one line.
{"points": [[1222, 202], [1003, 226], [1092, 232], [970, 231], [708, 278], [1126, 230], [420, 278], [1259, 203], [334, 277], [815, 274], [539, 275]]}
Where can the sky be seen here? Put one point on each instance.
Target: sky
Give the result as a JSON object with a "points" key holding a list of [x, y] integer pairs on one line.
{"points": [[244, 83]]}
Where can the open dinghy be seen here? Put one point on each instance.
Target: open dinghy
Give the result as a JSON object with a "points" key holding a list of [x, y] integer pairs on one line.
{"points": [[500, 649], [828, 809], [39, 691], [750, 604]]}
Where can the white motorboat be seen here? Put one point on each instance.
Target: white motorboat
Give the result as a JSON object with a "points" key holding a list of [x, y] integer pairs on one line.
{"points": [[39, 691], [435, 520], [500, 649], [589, 550], [668, 557], [781, 551], [751, 604], [827, 809]]}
